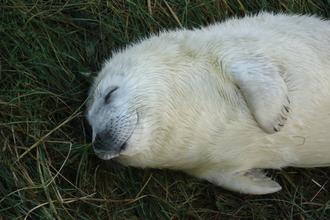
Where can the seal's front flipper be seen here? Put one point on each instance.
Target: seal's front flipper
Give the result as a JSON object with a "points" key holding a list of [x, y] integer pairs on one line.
{"points": [[263, 89], [249, 182]]}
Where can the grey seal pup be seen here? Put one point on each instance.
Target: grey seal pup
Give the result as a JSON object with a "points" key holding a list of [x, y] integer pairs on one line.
{"points": [[220, 102]]}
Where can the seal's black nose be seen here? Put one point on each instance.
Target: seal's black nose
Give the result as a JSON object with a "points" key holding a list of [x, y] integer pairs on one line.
{"points": [[107, 146]]}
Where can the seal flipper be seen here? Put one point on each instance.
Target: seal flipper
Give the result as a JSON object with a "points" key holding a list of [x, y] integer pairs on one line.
{"points": [[250, 182], [264, 91]]}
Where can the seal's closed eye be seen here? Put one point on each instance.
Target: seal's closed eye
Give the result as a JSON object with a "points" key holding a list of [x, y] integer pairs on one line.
{"points": [[106, 98]]}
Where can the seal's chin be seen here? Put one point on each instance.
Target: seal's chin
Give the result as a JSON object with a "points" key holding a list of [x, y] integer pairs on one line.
{"points": [[106, 156], [109, 154]]}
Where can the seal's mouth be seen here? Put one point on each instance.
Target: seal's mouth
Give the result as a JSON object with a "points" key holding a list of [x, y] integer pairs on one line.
{"points": [[110, 142], [107, 147]]}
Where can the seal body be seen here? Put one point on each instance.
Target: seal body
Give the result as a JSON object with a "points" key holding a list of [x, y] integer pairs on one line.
{"points": [[219, 102]]}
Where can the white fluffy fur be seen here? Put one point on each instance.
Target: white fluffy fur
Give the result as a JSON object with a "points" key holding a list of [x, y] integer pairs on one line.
{"points": [[207, 100]]}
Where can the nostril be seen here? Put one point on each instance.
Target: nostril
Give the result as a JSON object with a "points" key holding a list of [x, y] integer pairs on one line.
{"points": [[104, 142], [97, 137], [100, 143]]}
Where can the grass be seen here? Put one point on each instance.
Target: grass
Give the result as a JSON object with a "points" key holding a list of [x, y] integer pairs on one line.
{"points": [[47, 166]]}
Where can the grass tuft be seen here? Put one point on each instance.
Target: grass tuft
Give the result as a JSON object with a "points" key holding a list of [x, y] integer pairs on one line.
{"points": [[47, 166]]}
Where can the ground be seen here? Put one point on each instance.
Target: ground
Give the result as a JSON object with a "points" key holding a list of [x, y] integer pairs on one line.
{"points": [[49, 52]]}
